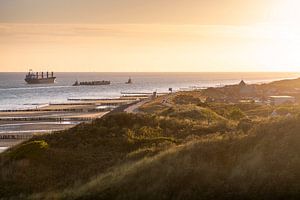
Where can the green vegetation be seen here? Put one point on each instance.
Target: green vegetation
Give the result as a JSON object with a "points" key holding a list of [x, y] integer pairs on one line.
{"points": [[178, 147], [32, 149], [184, 99], [261, 165], [191, 112]]}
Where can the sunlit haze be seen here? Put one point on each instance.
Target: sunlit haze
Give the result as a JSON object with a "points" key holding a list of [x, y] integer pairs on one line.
{"points": [[150, 35]]}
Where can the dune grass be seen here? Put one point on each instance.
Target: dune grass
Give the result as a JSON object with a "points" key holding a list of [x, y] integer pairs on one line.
{"points": [[263, 164]]}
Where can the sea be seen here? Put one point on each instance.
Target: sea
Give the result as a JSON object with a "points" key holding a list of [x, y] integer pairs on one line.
{"points": [[15, 94]]}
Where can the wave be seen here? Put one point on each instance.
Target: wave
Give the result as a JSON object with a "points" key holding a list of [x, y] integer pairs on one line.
{"points": [[33, 88], [40, 123], [29, 131]]}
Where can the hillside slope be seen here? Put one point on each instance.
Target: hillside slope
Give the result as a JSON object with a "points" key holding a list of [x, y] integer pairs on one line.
{"points": [[262, 165]]}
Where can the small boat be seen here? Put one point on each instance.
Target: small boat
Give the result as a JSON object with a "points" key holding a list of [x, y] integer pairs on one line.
{"points": [[91, 83], [39, 77], [76, 83], [129, 81]]}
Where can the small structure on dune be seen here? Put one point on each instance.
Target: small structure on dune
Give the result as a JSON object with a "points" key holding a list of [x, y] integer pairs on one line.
{"points": [[274, 113], [289, 115], [209, 100], [154, 95], [279, 100], [242, 84], [246, 90]]}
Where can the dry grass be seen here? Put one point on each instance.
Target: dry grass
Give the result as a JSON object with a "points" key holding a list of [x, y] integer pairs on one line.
{"points": [[262, 165]]}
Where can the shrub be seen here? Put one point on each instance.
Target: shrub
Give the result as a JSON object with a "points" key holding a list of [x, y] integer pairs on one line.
{"points": [[191, 112], [31, 149], [185, 99], [236, 114]]}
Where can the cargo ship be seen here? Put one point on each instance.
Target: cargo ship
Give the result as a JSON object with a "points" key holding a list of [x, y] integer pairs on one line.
{"points": [[91, 83], [40, 78]]}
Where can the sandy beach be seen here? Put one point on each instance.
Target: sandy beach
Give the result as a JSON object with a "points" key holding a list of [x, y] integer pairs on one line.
{"points": [[18, 125]]}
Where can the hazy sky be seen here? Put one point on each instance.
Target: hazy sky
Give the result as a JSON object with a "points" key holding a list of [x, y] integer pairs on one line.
{"points": [[150, 35]]}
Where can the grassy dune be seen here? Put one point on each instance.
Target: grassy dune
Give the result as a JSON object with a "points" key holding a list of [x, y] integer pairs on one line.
{"points": [[70, 157], [139, 159], [264, 164]]}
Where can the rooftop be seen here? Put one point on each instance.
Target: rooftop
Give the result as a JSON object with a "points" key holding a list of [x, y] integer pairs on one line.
{"points": [[282, 97]]}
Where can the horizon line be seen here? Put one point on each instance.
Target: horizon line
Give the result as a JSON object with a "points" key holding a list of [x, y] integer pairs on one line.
{"points": [[154, 71]]}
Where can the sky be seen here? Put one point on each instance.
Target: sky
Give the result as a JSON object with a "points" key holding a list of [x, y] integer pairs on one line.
{"points": [[150, 35]]}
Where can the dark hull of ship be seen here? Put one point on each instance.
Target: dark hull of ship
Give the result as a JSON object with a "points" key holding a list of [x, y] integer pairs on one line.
{"points": [[92, 83], [41, 80]]}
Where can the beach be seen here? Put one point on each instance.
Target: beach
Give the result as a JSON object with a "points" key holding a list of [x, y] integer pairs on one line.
{"points": [[19, 125]]}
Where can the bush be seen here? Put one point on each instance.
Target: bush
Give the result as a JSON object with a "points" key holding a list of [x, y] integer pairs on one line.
{"points": [[236, 114], [32, 149], [192, 112], [185, 99]]}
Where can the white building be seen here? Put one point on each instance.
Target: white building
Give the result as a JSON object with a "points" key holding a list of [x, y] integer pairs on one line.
{"points": [[278, 100]]}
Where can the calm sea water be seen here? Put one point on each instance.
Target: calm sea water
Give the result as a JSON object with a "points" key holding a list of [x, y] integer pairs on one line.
{"points": [[16, 94]]}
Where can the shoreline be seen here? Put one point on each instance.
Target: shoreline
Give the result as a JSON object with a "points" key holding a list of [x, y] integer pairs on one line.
{"points": [[57, 117], [15, 93], [17, 126]]}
